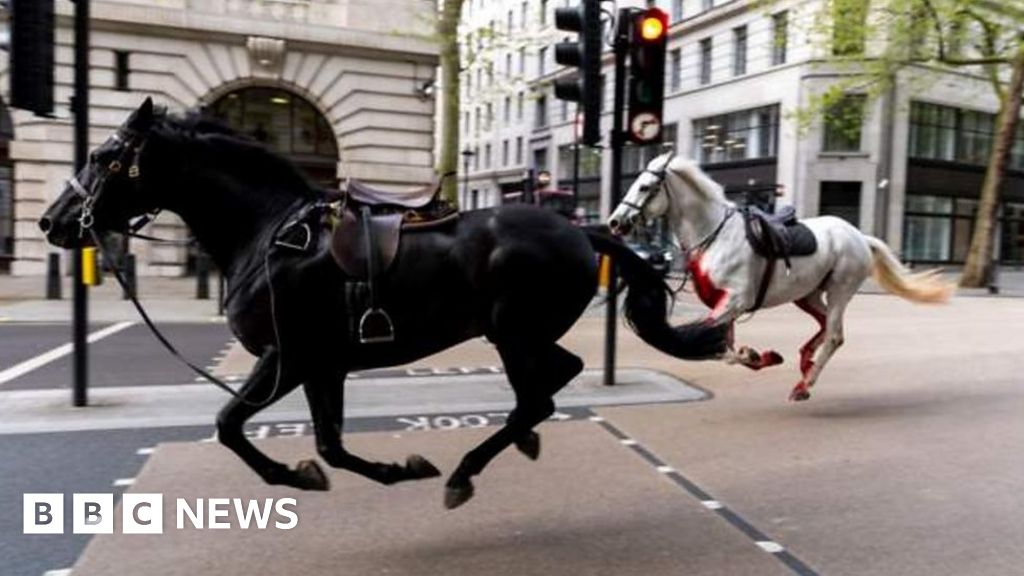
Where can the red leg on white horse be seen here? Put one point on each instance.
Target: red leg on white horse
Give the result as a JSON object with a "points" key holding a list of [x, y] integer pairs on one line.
{"points": [[832, 339], [814, 306], [746, 356]]}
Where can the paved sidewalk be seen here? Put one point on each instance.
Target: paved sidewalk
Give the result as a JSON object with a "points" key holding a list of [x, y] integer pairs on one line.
{"points": [[173, 299]]}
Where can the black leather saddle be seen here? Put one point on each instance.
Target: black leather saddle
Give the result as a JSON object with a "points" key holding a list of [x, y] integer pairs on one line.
{"points": [[776, 236], [367, 225]]}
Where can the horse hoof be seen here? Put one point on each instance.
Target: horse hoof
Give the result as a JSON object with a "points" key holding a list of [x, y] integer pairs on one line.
{"points": [[418, 468], [310, 476], [800, 394], [530, 445], [771, 358], [455, 496]]}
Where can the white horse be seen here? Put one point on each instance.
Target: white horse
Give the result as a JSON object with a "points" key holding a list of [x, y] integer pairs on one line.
{"points": [[731, 279]]}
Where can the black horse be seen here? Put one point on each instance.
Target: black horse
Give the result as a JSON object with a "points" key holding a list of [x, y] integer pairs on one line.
{"points": [[519, 275]]}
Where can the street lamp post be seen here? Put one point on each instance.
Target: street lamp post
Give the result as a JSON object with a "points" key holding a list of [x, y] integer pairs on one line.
{"points": [[466, 155]]}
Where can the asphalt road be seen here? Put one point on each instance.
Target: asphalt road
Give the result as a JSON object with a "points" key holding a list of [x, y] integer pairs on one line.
{"points": [[130, 357]]}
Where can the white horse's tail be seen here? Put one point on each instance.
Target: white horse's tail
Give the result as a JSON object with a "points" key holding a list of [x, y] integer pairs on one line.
{"points": [[927, 286]]}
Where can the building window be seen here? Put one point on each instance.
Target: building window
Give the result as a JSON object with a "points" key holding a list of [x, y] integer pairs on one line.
{"points": [[508, 65], [780, 37], [957, 135], [676, 72], [523, 15], [707, 4], [739, 51], [747, 135], [522, 61], [542, 60], [490, 117], [540, 159], [849, 25], [705, 61], [519, 150], [844, 121], [565, 111], [543, 12], [487, 156], [928, 228], [507, 113], [504, 153], [519, 106], [121, 70], [509, 23], [541, 113], [677, 10]]}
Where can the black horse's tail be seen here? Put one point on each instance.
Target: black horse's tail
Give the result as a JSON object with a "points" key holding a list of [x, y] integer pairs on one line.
{"points": [[646, 307]]}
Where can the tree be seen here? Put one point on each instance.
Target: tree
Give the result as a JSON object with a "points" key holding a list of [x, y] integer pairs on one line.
{"points": [[983, 37], [448, 35]]}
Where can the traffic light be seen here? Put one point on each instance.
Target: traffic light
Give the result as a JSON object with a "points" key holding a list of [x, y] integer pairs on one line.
{"points": [[648, 37], [585, 54], [31, 54]]}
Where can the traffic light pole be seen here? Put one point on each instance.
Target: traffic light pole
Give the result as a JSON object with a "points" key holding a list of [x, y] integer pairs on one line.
{"points": [[617, 139], [80, 105]]}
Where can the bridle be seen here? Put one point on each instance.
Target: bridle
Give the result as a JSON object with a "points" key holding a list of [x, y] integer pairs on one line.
{"points": [[131, 149]]}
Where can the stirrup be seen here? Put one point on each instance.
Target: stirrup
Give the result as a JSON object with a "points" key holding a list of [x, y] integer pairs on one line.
{"points": [[381, 329]]}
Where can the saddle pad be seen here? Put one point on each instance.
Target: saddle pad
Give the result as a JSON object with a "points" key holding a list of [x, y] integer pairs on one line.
{"points": [[800, 240], [771, 238]]}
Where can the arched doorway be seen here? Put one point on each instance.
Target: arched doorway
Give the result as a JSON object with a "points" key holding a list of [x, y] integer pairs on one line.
{"points": [[6, 191], [286, 123]]}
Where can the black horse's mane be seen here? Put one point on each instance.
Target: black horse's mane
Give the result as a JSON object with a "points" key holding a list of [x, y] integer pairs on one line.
{"points": [[242, 153]]}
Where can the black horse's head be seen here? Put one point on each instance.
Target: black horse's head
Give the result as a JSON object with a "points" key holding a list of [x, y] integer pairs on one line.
{"points": [[106, 194]]}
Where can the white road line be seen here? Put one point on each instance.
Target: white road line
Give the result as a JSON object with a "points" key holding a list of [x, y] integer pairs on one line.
{"points": [[666, 469], [596, 419], [124, 481], [61, 572], [711, 504], [628, 442], [145, 451], [57, 353], [770, 547]]}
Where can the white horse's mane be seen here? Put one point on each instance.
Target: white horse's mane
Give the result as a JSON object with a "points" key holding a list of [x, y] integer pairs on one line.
{"points": [[690, 172]]}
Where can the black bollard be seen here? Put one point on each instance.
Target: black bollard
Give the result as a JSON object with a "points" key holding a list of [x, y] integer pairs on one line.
{"points": [[130, 289], [202, 277], [221, 293], [53, 287]]}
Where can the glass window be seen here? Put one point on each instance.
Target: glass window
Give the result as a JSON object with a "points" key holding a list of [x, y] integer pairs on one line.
{"points": [[705, 61], [739, 51], [843, 123], [744, 135], [677, 10], [541, 113], [676, 72], [780, 37]]}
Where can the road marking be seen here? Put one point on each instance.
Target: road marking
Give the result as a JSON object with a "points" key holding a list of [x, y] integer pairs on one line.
{"points": [[145, 451], [57, 353], [61, 572], [124, 481], [759, 538], [771, 547]]}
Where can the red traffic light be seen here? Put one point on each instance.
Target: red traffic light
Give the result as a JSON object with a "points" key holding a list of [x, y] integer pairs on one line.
{"points": [[653, 25]]}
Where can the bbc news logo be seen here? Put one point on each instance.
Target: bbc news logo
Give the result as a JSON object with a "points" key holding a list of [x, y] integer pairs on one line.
{"points": [[144, 513]]}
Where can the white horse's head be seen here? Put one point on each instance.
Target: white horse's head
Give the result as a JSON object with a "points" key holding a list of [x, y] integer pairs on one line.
{"points": [[646, 199], [668, 179]]}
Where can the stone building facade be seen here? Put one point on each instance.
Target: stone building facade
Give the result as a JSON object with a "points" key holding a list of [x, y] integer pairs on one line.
{"points": [[341, 89]]}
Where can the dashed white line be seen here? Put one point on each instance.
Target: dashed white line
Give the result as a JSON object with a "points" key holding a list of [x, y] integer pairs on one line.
{"points": [[145, 451], [596, 419], [666, 469], [124, 481], [712, 504], [57, 353], [61, 572], [770, 547], [628, 442]]}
